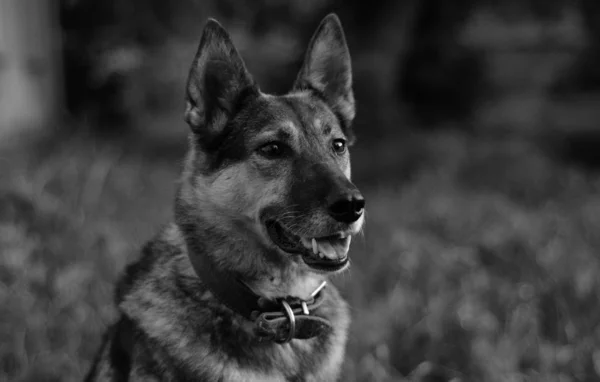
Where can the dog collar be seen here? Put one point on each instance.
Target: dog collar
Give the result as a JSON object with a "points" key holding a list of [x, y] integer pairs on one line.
{"points": [[279, 320], [285, 319]]}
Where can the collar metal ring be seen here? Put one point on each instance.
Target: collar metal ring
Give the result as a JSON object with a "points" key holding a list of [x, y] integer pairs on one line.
{"points": [[292, 320]]}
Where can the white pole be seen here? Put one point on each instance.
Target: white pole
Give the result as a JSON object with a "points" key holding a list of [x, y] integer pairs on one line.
{"points": [[30, 65]]}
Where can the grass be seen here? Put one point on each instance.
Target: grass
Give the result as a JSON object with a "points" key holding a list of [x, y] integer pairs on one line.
{"points": [[479, 260]]}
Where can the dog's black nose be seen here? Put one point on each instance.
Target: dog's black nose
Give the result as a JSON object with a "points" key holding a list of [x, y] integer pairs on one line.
{"points": [[347, 208]]}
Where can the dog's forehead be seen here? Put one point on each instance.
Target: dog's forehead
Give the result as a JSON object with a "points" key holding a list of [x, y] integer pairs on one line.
{"points": [[301, 114]]}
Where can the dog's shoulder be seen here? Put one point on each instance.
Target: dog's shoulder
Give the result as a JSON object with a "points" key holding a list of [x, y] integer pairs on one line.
{"points": [[156, 262], [167, 310], [161, 285]]}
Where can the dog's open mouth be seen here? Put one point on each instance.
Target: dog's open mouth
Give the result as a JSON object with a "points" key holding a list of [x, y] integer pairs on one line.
{"points": [[325, 253]]}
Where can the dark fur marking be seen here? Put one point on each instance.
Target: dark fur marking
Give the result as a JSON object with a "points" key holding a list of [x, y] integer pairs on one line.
{"points": [[121, 347], [106, 339], [282, 135], [134, 271]]}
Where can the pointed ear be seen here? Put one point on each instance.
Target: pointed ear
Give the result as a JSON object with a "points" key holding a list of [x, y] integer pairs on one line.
{"points": [[327, 68], [217, 80]]}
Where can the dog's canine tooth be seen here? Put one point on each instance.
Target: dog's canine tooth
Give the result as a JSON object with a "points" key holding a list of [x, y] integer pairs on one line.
{"points": [[315, 247], [306, 243]]}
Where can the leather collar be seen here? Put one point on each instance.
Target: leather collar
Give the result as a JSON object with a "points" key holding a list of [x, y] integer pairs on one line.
{"points": [[276, 320]]}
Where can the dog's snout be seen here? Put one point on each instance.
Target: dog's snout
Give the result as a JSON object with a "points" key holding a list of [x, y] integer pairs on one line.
{"points": [[348, 207]]}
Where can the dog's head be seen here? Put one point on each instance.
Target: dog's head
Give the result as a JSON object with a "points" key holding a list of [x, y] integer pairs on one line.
{"points": [[277, 165]]}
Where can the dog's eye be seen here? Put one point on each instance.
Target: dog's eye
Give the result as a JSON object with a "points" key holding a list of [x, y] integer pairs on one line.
{"points": [[339, 146], [271, 150]]}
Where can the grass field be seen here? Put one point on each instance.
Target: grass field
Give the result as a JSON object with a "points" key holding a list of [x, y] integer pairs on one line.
{"points": [[480, 258]]}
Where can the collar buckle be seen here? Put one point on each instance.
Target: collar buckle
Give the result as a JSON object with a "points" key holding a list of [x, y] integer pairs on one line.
{"points": [[305, 310], [291, 321], [289, 312]]}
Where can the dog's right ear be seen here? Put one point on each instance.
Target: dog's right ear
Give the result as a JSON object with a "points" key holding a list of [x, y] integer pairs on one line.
{"points": [[327, 68], [217, 80]]}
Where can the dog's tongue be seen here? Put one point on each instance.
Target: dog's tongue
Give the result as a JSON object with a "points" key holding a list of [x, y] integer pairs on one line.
{"points": [[334, 249]]}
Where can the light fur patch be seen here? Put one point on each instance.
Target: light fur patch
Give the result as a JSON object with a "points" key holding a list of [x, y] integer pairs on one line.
{"points": [[225, 192], [236, 191], [289, 126], [299, 284], [347, 171], [335, 357], [318, 123], [358, 225], [105, 371], [248, 375], [172, 235]]}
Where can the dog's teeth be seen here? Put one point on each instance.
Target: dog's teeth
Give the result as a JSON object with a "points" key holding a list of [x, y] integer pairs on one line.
{"points": [[328, 251], [315, 247], [306, 243]]}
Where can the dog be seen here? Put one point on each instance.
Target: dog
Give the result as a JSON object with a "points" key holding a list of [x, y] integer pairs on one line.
{"points": [[235, 289]]}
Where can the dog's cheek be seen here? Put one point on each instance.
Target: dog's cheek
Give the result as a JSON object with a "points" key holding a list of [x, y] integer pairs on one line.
{"points": [[269, 190], [243, 190], [269, 170], [260, 190], [228, 190]]}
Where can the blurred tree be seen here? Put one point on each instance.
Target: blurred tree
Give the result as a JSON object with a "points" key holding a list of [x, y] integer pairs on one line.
{"points": [[104, 44], [436, 76], [584, 76], [543, 9], [590, 61], [439, 79], [91, 31]]}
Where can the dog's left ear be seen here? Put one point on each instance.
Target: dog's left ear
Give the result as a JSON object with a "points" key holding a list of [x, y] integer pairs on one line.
{"points": [[327, 68], [218, 79]]}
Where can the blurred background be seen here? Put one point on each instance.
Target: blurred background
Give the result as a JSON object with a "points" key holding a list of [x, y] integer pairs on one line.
{"points": [[478, 153]]}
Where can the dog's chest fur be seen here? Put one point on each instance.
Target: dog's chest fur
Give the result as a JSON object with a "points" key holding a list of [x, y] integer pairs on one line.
{"points": [[182, 332]]}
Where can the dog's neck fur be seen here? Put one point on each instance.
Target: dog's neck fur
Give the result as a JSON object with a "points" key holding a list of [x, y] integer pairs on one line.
{"points": [[207, 232]]}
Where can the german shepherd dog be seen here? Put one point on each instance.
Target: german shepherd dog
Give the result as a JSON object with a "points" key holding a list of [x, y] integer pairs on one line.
{"points": [[235, 289]]}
